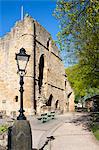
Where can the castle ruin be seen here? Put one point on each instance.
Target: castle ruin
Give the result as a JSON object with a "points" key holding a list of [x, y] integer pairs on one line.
{"points": [[45, 85]]}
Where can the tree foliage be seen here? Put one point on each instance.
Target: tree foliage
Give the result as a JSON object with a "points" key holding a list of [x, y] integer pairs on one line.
{"points": [[81, 84], [79, 36], [76, 17]]}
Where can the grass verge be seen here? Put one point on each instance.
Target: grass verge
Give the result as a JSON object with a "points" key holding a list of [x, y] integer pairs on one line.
{"points": [[95, 130]]}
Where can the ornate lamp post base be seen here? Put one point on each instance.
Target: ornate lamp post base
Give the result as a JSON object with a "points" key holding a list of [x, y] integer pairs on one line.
{"points": [[21, 117]]}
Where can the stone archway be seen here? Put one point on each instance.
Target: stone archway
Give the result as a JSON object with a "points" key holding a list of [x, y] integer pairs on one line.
{"points": [[49, 102]]}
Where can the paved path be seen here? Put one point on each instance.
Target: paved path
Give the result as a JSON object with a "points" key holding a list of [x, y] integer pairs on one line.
{"points": [[72, 137], [69, 130]]}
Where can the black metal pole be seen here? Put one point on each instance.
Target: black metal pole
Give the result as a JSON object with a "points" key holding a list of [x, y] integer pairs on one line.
{"points": [[35, 68], [21, 115]]}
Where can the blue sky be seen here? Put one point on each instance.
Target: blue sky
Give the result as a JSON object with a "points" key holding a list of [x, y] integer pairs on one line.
{"points": [[40, 10]]}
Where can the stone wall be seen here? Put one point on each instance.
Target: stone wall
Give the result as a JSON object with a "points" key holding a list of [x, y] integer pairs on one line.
{"points": [[23, 35], [3, 141], [9, 86], [70, 97]]}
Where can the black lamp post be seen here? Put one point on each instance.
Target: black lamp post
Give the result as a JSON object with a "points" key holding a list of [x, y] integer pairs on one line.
{"points": [[22, 59]]}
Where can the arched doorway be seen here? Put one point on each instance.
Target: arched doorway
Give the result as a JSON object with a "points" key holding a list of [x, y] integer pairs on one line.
{"points": [[41, 71], [49, 102], [68, 101]]}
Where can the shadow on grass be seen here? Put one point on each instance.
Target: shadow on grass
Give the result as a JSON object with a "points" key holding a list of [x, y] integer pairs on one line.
{"points": [[85, 120]]}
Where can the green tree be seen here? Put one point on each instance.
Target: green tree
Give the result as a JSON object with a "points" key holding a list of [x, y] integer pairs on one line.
{"points": [[77, 19], [79, 36], [80, 84]]}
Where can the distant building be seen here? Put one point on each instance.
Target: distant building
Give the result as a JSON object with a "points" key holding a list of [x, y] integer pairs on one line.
{"points": [[92, 103], [45, 69]]}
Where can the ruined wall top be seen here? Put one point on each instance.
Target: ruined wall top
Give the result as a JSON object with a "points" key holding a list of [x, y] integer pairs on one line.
{"points": [[26, 27]]}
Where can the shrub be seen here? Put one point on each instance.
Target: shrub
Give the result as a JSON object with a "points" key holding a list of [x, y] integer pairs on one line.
{"points": [[3, 128]]}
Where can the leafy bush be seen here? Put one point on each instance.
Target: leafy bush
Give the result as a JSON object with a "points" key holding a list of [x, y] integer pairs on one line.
{"points": [[3, 128]]}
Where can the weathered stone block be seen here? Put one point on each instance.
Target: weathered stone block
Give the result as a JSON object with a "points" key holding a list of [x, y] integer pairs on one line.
{"points": [[20, 136]]}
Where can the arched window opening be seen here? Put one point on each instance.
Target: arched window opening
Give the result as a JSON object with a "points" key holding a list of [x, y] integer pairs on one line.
{"points": [[65, 84], [69, 94], [41, 71], [56, 104], [16, 98], [49, 102], [48, 42]]}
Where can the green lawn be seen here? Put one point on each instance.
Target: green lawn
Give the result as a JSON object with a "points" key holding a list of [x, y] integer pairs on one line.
{"points": [[95, 129]]}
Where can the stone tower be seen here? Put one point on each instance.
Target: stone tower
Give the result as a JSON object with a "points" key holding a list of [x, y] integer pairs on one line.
{"points": [[44, 87]]}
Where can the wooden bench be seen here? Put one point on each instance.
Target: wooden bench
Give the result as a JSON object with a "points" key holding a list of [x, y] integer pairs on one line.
{"points": [[52, 114], [46, 116], [43, 117]]}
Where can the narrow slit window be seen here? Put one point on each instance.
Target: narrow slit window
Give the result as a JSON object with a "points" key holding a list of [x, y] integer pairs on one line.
{"points": [[41, 72]]}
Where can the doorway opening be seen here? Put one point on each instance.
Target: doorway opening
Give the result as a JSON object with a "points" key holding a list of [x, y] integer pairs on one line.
{"points": [[49, 102]]}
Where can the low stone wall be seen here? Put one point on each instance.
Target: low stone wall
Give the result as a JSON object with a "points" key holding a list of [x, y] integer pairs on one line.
{"points": [[3, 141]]}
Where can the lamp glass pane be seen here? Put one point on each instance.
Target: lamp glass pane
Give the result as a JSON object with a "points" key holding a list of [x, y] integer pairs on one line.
{"points": [[22, 61]]}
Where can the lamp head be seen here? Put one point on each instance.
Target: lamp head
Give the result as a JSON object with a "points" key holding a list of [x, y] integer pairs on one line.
{"points": [[22, 59]]}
